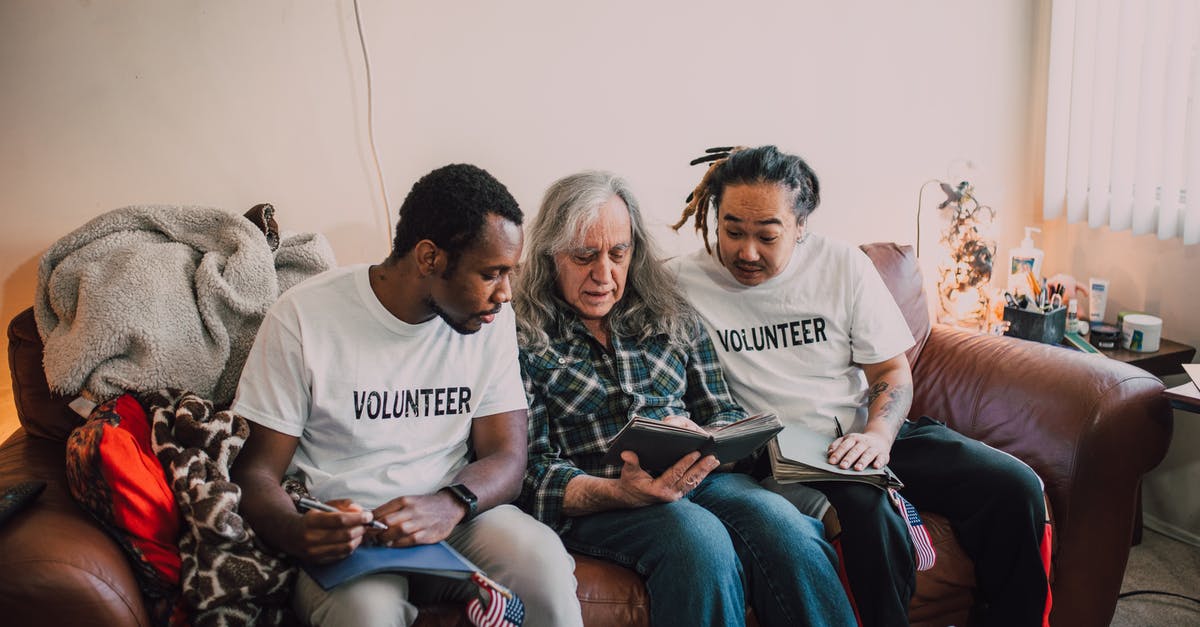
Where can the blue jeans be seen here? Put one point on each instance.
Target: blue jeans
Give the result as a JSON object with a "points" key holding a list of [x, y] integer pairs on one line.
{"points": [[728, 540]]}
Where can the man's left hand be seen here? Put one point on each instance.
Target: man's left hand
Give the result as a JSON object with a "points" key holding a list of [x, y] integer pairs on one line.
{"points": [[860, 450], [422, 519]]}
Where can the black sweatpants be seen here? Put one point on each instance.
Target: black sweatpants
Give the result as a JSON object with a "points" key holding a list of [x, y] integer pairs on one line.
{"points": [[993, 502]]}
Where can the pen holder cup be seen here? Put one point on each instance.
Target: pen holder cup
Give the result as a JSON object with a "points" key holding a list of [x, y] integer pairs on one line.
{"points": [[1046, 327]]}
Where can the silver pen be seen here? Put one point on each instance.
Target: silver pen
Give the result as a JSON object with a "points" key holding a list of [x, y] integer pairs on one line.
{"points": [[307, 503]]}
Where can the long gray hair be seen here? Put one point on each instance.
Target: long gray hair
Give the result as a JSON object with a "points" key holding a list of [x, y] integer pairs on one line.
{"points": [[651, 304]]}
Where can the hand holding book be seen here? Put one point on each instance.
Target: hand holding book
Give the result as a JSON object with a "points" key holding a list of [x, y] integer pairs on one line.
{"points": [[799, 454], [867, 449], [659, 444]]}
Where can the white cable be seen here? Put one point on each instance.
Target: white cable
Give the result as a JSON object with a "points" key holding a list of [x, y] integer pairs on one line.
{"points": [[371, 130]]}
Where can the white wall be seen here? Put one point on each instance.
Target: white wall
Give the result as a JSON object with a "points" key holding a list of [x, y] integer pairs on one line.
{"points": [[104, 104], [1160, 277]]}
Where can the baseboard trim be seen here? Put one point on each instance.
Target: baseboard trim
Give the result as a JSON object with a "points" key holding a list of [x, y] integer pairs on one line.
{"points": [[1171, 531]]}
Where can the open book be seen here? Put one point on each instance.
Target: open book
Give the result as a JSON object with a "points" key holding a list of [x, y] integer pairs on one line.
{"points": [[799, 454], [659, 445], [426, 559]]}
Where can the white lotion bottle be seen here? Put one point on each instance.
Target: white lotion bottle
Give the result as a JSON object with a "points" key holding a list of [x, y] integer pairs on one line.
{"points": [[1022, 260], [1097, 299]]}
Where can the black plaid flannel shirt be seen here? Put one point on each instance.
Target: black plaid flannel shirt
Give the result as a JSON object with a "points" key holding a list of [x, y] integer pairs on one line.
{"points": [[580, 396]]}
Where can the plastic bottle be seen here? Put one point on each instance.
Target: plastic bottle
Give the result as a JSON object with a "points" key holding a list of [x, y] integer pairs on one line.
{"points": [[1097, 299], [1022, 260]]}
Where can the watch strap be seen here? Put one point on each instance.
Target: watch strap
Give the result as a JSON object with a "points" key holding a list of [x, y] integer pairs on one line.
{"points": [[466, 497]]}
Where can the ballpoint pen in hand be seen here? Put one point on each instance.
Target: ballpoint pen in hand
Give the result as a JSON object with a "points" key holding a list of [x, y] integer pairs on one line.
{"points": [[838, 425], [307, 503]]}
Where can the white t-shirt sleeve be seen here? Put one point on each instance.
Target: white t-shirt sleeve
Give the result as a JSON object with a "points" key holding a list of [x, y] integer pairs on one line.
{"points": [[878, 330], [274, 387], [505, 391]]}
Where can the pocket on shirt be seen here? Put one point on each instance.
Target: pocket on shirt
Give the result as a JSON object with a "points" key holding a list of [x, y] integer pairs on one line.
{"points": [[570, 389], [659, 378]]}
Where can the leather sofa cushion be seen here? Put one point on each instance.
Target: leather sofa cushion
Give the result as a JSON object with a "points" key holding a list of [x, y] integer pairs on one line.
{"points": [[42, 413], [902, 274]]}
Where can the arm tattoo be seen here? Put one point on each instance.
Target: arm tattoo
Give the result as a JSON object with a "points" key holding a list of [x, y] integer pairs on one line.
{"points": [[898, 402], [876, 390]]}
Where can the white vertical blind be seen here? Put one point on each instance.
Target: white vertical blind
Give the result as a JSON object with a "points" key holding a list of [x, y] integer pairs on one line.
{"points": [[1123, 116]]}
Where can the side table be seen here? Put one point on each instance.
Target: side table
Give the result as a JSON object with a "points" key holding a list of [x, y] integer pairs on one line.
{"points": [[1167, 360], [1184, 397]]}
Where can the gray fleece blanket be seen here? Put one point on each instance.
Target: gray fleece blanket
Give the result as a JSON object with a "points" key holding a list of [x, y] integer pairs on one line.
{"points": [[149, 297]]}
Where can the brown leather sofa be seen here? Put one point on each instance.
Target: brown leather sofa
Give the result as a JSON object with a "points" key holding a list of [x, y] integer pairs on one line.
{"points": [[1090, 426]]}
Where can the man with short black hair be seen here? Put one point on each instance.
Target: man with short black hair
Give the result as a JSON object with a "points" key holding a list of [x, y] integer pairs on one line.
{"points": [[393, 392]]}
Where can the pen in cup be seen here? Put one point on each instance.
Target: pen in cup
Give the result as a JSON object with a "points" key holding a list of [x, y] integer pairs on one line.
{"points": [[307, 503]]}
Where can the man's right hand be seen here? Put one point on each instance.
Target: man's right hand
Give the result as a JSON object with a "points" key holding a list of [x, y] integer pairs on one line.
{"points": [[331, 536], [641, 489], [635, 487]]}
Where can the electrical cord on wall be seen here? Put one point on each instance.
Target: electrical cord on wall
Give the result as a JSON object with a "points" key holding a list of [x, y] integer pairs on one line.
{"points": [[920, 194], [362, 42], [1133, 593]]}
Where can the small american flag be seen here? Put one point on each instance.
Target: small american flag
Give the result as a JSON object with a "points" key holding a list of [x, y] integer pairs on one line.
{"points": [[916, 530], [502, 608]]}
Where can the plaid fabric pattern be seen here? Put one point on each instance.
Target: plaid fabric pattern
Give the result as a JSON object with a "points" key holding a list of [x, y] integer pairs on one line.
{"points": [[580, 395]]}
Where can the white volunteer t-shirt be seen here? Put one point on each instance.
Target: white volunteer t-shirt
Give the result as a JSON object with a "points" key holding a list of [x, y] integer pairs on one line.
{"points": [[793, 343], [382, 408]]}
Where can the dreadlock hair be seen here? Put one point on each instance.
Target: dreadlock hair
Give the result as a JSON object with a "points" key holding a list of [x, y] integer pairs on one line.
{"points": [[743, 166], [651, 304], [449, 207]]}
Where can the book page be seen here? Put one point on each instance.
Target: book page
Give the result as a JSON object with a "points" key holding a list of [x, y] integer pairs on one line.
{"points": [[807, 447], [1185, 392], [1193, 371], [755, 423]]}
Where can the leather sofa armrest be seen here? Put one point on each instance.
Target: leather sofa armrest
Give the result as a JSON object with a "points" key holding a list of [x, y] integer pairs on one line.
{"points": [[1088, 425], [56, 566]]}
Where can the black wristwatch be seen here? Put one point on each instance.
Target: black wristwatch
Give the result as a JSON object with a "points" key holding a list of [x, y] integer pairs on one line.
{"points": [[466, 497]]}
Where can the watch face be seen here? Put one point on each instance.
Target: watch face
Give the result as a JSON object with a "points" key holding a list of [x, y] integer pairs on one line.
{"points": [[468, 498], [464, 493]]}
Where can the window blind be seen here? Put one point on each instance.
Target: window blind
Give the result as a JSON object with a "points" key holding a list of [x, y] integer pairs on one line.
{"points": [[1123, 116]]}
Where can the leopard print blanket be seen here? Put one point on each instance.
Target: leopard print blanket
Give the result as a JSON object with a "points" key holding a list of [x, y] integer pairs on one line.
{"points": [[228, 576]]}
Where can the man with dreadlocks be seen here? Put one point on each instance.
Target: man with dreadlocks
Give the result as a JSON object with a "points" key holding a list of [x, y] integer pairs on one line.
{"points": [[605, 337], [804, 325]]}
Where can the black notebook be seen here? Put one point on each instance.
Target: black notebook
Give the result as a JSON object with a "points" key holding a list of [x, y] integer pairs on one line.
{"points": [[659, 445], [799, 454], [426, 559]]}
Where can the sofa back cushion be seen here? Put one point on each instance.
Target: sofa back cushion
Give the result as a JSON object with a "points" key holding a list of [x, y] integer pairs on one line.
{"points": [[48, 415], [900, 271], [41, 412]]}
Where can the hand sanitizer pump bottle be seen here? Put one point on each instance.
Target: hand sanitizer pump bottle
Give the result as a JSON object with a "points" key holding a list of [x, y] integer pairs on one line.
{"points": [[1022, 260]]}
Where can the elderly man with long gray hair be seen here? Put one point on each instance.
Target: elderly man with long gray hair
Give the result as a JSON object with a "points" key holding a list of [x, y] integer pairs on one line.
{"points": [[605, 336]]}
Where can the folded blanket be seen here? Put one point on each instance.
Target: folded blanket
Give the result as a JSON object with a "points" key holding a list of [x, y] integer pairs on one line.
{"points": [[149, 297]]}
